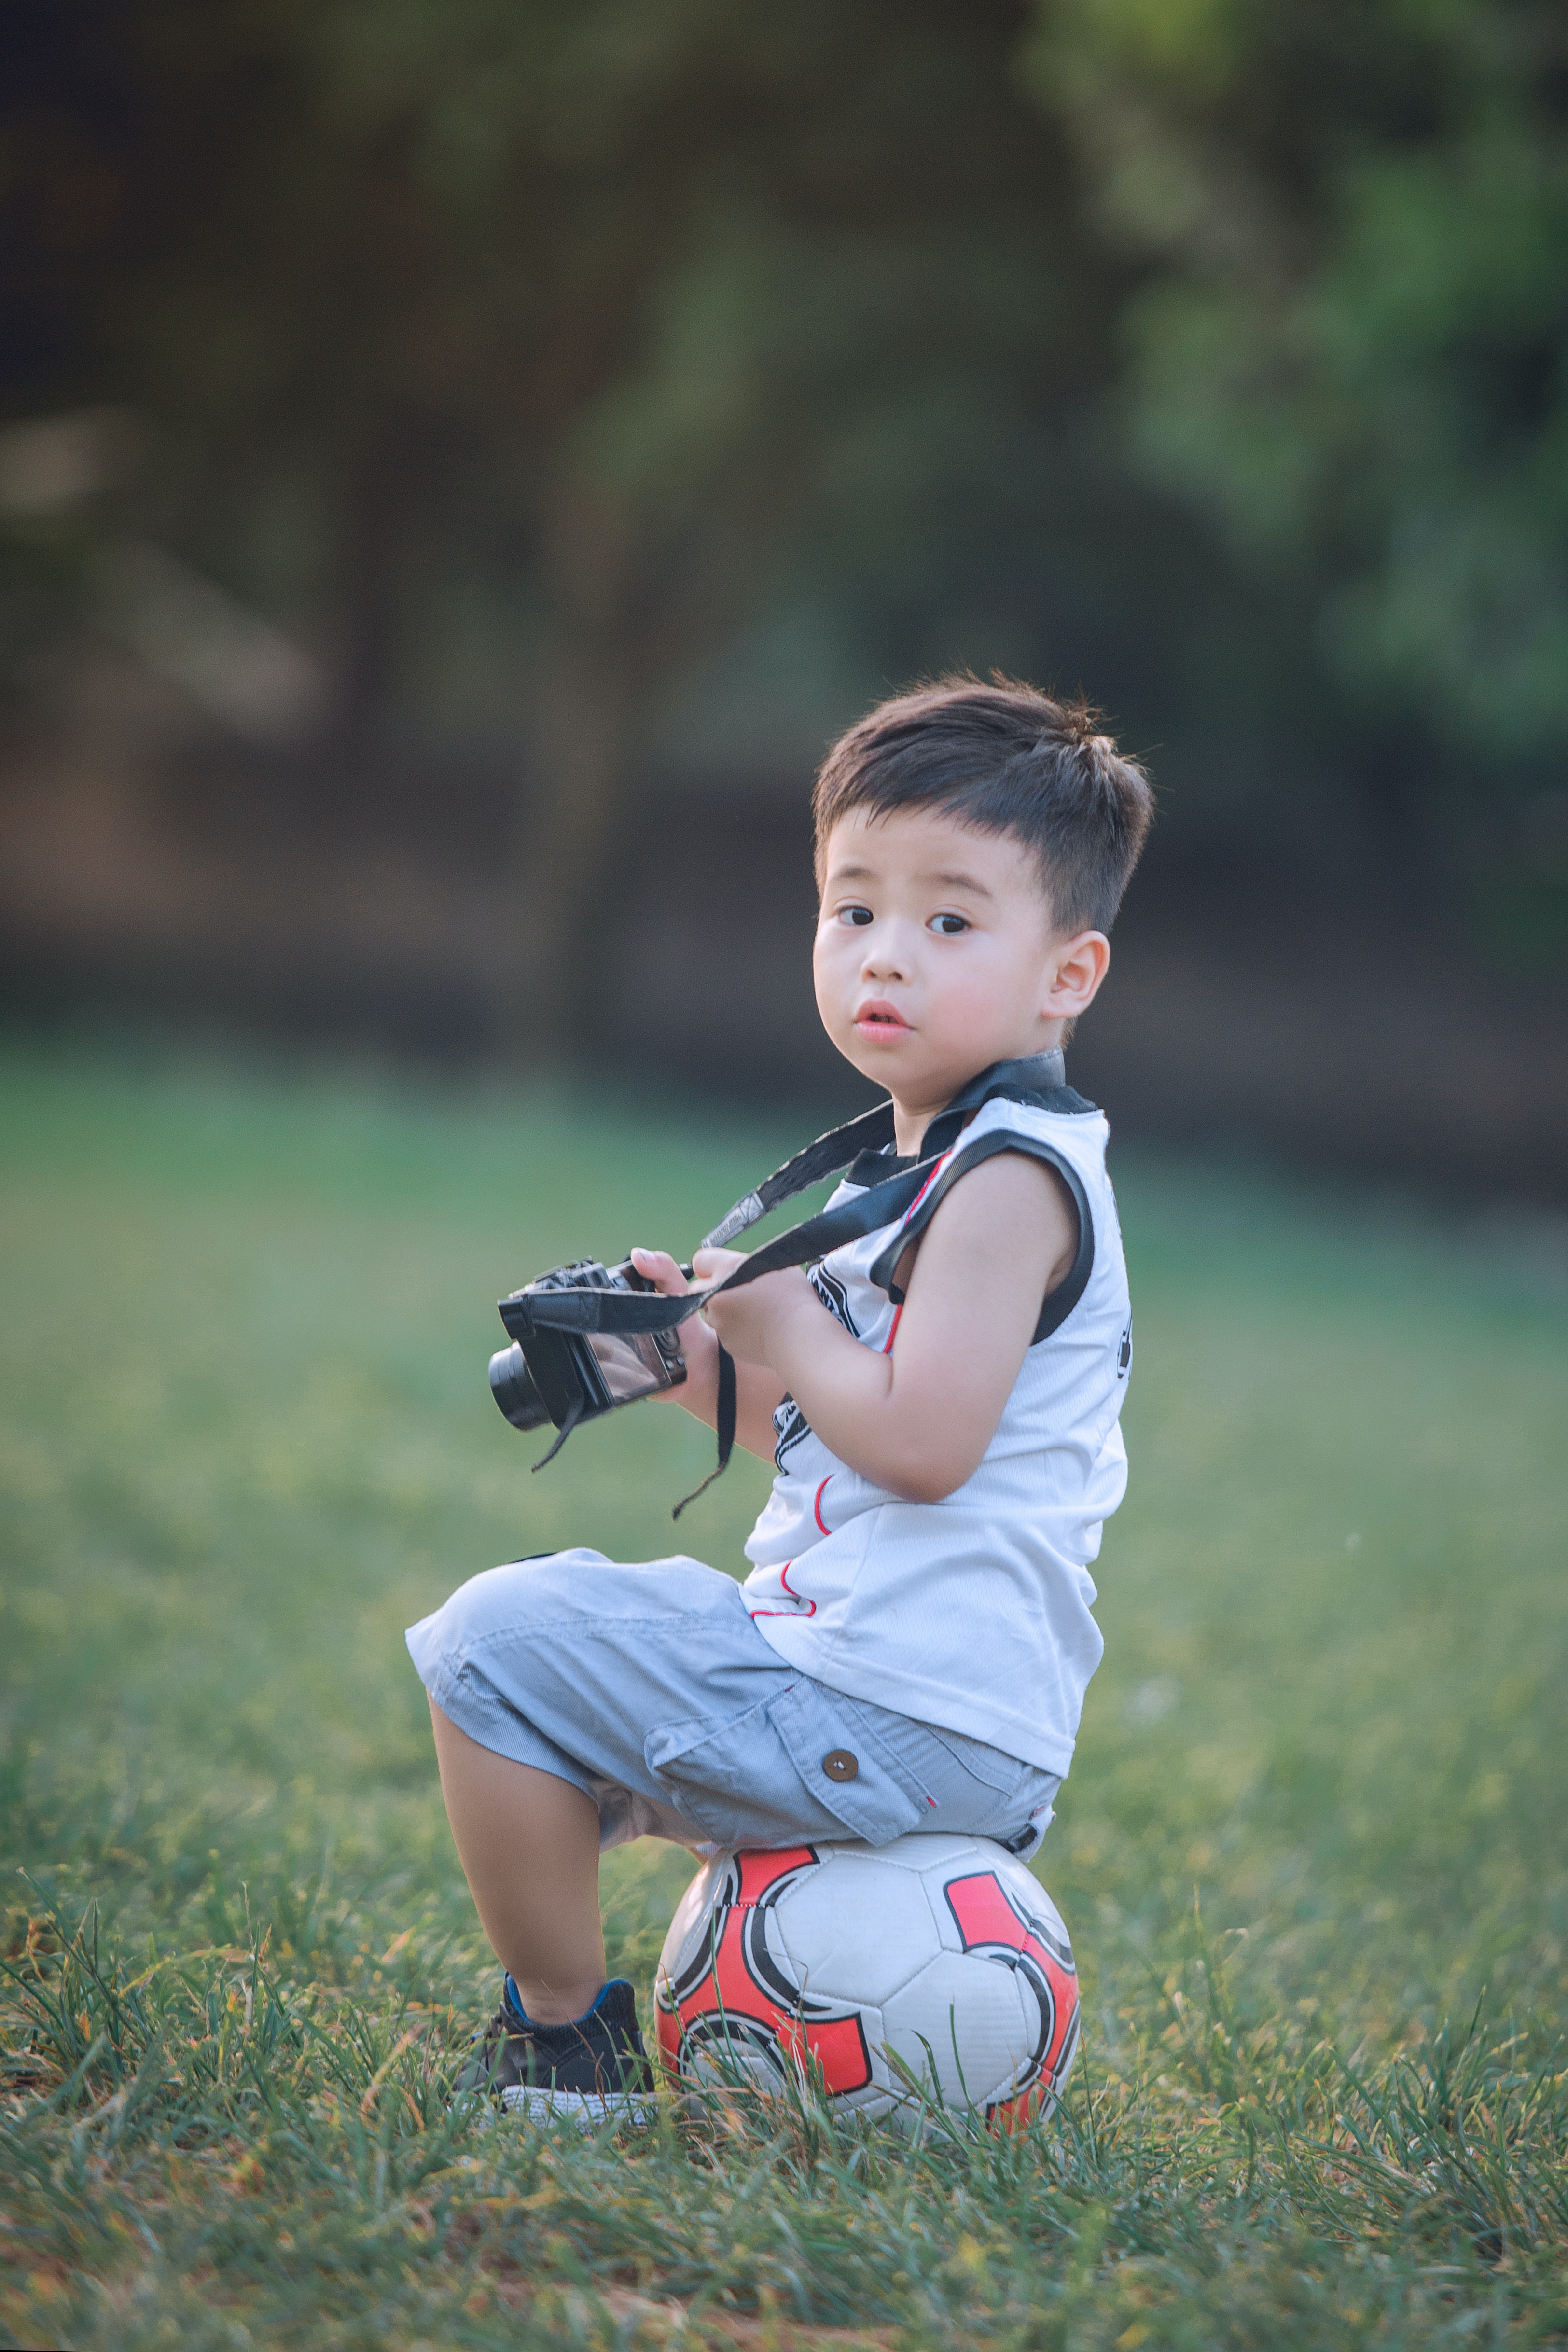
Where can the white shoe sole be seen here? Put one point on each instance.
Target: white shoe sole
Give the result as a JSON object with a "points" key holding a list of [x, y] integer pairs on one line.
{"points": [[588, 2110]]}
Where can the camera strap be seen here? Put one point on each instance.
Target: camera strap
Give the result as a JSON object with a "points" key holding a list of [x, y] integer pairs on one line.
{"points": [[1039, 1079]]}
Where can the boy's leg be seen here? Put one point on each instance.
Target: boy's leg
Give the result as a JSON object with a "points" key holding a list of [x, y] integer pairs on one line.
{"points": [[529, 1844]]}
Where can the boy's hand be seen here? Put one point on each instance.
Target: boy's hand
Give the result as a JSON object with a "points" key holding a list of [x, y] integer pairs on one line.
{"points": [[758, 1391], [916, 1418], [744, 1319], [697, 1345], [749, 1319]]}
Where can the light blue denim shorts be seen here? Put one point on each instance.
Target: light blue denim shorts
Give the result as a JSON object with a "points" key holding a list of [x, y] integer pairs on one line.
{"points": [[651, 1689]]}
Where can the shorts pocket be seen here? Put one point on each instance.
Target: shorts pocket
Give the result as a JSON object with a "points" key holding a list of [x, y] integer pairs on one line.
{"points": [[758, 1777], [886, 1799], [732, 1777]]}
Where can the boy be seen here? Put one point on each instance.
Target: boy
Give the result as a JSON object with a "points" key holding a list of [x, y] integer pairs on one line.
{"points": [[940, 1397]]}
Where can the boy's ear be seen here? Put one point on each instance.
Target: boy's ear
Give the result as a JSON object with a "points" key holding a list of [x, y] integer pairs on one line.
{"points": [[1077, 968]]}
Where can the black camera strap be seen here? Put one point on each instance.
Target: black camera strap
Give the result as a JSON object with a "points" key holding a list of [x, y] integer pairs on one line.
{"points": [[724, 1428], [1039, 1079], [872, 1131]]}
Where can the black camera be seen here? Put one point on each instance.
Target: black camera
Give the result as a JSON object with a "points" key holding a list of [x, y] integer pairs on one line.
{"points": [[588, 1337], [549, 1374]]}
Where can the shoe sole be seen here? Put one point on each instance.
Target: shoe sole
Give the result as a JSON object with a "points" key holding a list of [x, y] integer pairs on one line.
{"points": [[588, 2110]]}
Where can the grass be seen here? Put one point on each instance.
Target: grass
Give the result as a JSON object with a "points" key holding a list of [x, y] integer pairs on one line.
{"points": [[1312, 1853]]}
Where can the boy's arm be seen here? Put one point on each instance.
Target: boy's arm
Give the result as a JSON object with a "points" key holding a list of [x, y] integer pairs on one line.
{"points": [[918, 1419], [757, 1389]]}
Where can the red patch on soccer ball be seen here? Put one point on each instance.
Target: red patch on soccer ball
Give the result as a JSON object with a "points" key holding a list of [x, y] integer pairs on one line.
{"points": [[734, 2002], [1025, 2107], [990, 1922]]}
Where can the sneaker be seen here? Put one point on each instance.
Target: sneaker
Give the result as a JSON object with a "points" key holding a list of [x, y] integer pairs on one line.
{"points": [[592, 2071]]}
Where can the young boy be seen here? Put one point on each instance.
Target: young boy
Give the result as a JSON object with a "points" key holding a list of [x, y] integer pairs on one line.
{"points": [[940, 1397]]}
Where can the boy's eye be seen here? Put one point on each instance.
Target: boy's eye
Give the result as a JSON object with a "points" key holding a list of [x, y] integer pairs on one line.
{"points": [[858, 915], [948, 926]]}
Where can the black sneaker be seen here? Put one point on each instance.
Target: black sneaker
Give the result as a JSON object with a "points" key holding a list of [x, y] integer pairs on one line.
{"points": [[592, 2071]]}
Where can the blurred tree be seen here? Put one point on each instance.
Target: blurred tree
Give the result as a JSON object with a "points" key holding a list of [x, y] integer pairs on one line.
{"points": [[502, 345], [1350, 345]]}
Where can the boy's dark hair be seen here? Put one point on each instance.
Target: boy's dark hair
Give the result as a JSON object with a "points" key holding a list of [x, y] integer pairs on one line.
{"points": [[1004, 758]]}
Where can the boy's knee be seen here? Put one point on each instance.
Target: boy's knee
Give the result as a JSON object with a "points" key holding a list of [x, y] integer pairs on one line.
{"points": [[507, 1599]]}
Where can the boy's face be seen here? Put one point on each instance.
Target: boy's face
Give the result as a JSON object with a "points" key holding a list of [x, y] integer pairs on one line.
{"points": [[935, 953]]}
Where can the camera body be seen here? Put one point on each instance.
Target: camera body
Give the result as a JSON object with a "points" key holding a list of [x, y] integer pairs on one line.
{"points": [[567, 1376]]}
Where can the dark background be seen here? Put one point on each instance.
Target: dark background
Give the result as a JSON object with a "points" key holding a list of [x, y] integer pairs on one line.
{"points": [[460, 464]]}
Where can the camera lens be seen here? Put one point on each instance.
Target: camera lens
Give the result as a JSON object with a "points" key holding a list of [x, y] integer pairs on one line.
{"points": [[512, 1386]]}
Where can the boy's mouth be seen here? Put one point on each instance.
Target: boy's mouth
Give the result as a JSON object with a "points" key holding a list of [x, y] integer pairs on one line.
{"points": [[879, 1020]]}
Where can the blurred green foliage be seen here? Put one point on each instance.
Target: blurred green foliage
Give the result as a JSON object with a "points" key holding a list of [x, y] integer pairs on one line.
{"points": [[1352, 343], [521, 357], [501, 349]]}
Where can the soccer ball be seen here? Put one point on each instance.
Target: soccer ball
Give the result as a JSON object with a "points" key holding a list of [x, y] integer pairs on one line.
{"points": [[832, 1960]]}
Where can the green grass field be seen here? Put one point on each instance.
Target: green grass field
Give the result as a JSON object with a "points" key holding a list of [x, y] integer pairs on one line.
{"points": [[1314, 1852]]}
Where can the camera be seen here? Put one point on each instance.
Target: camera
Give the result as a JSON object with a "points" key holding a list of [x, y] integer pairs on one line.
{"points": [[549, 1374], [584, 1342]]}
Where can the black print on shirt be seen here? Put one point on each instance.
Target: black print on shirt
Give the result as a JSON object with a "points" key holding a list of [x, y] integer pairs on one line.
{"points": [[792, 1425], [834, 1297], [787, 1418]]}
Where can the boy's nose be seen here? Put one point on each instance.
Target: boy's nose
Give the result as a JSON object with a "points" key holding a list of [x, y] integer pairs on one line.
{"points": [[882, 959]]}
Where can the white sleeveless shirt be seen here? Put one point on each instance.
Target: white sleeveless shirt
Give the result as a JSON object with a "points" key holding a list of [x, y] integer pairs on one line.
{"points": [[973, 1612]]}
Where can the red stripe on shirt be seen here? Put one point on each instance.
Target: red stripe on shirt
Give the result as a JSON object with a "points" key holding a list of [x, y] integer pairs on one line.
{"points": [[810, 1610], [887, 1343], [928, 1183]]}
